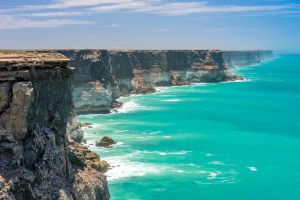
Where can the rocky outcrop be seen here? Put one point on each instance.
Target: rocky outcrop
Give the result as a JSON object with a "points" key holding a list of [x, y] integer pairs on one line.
{"points": [[82, 156], [35, 104], [106, 141], [74, 127]]}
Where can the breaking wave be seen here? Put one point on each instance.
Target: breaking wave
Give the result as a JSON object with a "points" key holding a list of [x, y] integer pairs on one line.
{"points": [[130, 106]]}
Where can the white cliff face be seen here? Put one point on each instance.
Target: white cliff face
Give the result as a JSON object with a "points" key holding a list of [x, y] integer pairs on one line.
{"points": [[92, 96]]}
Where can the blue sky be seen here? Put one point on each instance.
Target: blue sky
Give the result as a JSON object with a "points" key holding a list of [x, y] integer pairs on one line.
{"points": [[150, 24]]}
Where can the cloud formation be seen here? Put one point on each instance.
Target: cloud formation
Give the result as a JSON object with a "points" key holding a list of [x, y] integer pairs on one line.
{"points": [[60, 11], [19, 23], [156, 6]]}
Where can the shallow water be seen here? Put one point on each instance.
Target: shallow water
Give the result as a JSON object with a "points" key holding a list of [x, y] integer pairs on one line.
{"points": [[236, 140]]}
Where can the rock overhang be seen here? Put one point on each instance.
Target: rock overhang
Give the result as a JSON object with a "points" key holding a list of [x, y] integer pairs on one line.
{"points": [[10, 60], [24, 65]]}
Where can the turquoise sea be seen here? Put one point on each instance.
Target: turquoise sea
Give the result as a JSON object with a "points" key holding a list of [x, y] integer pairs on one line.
{"points": [[235, 141]]}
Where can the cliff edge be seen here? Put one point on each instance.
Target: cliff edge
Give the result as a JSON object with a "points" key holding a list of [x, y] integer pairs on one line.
{"points": [[36, 159]]}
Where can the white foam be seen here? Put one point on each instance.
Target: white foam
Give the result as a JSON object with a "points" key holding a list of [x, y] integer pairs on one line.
{"points": [[161, 89], [213, 175], [154, 133], [254, 169], [167, 137], [162, 153], [133, 95], [217, 162], [130, 106], [177, 153], [201, 84], [209, 155], [172, 100], [217, 177], [121, 169], [121, 131], [118, 144], [158, 189], [194, 165], [168, 95]]}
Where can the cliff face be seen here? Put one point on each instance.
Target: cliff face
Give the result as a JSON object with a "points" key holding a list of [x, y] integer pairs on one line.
{"points": [[101, 76], [235, 59], [35, 159]]}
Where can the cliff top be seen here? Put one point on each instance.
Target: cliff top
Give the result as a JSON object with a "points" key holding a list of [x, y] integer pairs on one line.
{"points": [[21, 59]]}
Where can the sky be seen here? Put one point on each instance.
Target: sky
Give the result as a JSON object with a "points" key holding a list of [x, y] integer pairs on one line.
{"points": [[150, 24]]}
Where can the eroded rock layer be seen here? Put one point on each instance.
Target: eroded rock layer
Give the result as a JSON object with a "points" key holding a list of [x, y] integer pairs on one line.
{"points": [[101, 76], [35, 158]]}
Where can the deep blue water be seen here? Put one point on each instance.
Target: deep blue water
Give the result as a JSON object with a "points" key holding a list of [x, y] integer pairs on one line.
{"points": [[235, 141]]}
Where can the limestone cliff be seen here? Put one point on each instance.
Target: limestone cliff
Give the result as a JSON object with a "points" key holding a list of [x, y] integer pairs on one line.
{"points": [[101, 76], [235, 59], [36, 159]]}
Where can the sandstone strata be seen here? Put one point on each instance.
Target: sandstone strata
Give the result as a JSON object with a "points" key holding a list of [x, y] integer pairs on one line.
{"points": [[35, 104]]}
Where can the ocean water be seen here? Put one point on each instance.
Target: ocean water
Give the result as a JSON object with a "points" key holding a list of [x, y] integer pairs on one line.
{"points": [[235, 141]]}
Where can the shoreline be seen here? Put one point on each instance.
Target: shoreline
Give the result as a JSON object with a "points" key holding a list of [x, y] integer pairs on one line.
{"points": [[111, 111], [144, 77], [118, 104], [112, 164]]}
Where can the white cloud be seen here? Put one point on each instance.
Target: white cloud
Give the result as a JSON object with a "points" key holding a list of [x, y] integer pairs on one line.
{"points": [[62, 4], [18, 23], [198, 7], [55, 14], [130, 5], [161, 7]]}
